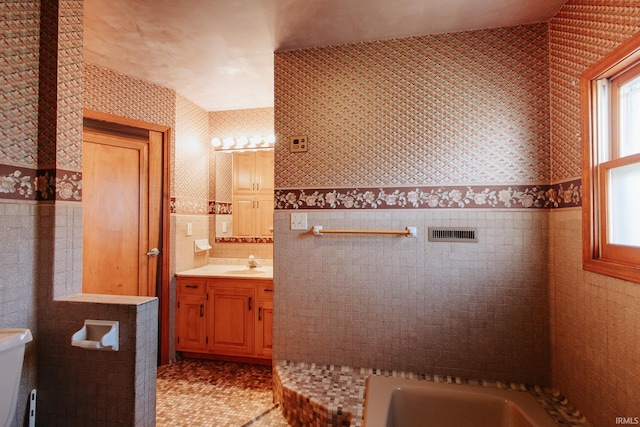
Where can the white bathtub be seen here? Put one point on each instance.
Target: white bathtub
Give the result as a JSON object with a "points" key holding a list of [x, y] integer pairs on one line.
{"points": [[398, 402]]}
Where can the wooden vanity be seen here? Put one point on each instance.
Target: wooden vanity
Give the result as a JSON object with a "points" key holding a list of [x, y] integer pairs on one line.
{"points": [[225, 314]]}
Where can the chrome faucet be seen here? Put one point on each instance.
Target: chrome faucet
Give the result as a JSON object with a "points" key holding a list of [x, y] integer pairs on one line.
{"points": [[252, 263]]}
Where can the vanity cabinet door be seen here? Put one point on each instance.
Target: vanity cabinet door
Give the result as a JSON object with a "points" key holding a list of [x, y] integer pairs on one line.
{"points": [[264, 172], [264, 216], [190, 315], [190, 323], [264, 319], [264, 329], [243, 167], [253, 216], [230, 317], [243, 216]]}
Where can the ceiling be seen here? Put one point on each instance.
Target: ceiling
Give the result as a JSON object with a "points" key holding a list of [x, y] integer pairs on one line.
{"points": [[219, 53]]}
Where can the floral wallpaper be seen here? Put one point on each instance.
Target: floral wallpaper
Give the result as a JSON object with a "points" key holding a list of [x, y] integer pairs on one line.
{"points": [[42, 184], [567, 194]]}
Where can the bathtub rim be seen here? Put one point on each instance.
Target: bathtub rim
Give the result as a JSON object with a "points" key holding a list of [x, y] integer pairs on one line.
{"points": [[377, 401]]}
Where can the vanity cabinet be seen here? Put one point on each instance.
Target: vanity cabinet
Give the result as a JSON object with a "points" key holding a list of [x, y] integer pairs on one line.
{"points": [[225, 318], [252, 194], [190, 321]]}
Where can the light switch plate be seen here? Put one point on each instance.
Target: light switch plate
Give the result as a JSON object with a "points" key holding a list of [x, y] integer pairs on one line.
{"points": [[298, 144], [189, 229], [299, 221]]}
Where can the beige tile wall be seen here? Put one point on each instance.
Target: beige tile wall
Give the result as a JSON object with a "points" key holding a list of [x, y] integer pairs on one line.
{"points": [[477, 310], [186, 257], [594, 327]]}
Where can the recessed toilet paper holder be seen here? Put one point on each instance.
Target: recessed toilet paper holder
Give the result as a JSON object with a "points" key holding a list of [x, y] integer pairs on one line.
{"points": [[98, 335]]}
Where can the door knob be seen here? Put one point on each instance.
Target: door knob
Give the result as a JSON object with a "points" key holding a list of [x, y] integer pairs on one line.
{"points": [[154, 252]]}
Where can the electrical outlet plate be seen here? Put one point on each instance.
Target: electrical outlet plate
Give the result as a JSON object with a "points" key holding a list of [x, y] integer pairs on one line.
{"points": [[299, 221]]}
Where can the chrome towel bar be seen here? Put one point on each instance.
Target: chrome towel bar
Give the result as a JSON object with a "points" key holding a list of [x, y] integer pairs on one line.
{"points": [[408, 231]]}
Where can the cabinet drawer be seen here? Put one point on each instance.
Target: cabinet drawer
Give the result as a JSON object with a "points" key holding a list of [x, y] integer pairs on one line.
{"points": [[264, 291], [191, 287]]}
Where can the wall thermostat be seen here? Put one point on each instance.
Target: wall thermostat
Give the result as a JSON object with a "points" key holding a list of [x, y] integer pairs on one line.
{"points": [[298, 144]]}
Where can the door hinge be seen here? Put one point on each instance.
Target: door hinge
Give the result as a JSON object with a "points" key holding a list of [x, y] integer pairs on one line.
{"points": [[178, 340], [178, 304], [206, 340]]}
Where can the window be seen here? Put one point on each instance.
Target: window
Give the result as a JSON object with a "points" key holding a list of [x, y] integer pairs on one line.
{"points": [[611, 163]]}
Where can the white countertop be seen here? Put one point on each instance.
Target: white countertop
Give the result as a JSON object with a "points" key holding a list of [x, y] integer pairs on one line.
{"points": [[107, 299], [229, 270]]}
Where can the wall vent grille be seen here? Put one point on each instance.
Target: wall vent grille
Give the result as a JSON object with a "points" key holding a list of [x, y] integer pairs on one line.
{"points": [[452, 234]]}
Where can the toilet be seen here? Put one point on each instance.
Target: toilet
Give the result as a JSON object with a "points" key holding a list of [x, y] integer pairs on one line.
{"points": [[12, 344]]}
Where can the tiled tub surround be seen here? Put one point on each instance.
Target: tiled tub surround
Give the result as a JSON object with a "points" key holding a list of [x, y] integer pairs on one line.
{"points": [[474, 310], [314, 395]]}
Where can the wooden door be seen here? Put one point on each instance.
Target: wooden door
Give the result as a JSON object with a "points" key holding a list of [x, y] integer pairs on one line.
{"points": [[122, 206], [231, 317]]}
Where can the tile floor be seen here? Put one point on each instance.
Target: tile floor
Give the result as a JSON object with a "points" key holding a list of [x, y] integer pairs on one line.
{"points": [[196, 393]]}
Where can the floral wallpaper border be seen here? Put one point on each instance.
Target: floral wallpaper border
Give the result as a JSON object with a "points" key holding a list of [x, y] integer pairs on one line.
{"points": [[180, 205], [559, 195], [244, 239], [18, 183], [220, 208]]}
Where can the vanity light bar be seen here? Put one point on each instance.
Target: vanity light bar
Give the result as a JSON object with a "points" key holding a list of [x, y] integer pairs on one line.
{"points": [[243, 142]]}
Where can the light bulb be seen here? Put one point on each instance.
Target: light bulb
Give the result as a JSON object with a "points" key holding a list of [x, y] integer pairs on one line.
{"points": [[242, 141]]}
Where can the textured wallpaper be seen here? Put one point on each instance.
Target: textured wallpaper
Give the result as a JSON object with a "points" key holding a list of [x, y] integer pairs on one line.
{"points": [[581, 33], [465, 108], [191, 152], [19, 90], [234, 123], [110, 92]]}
